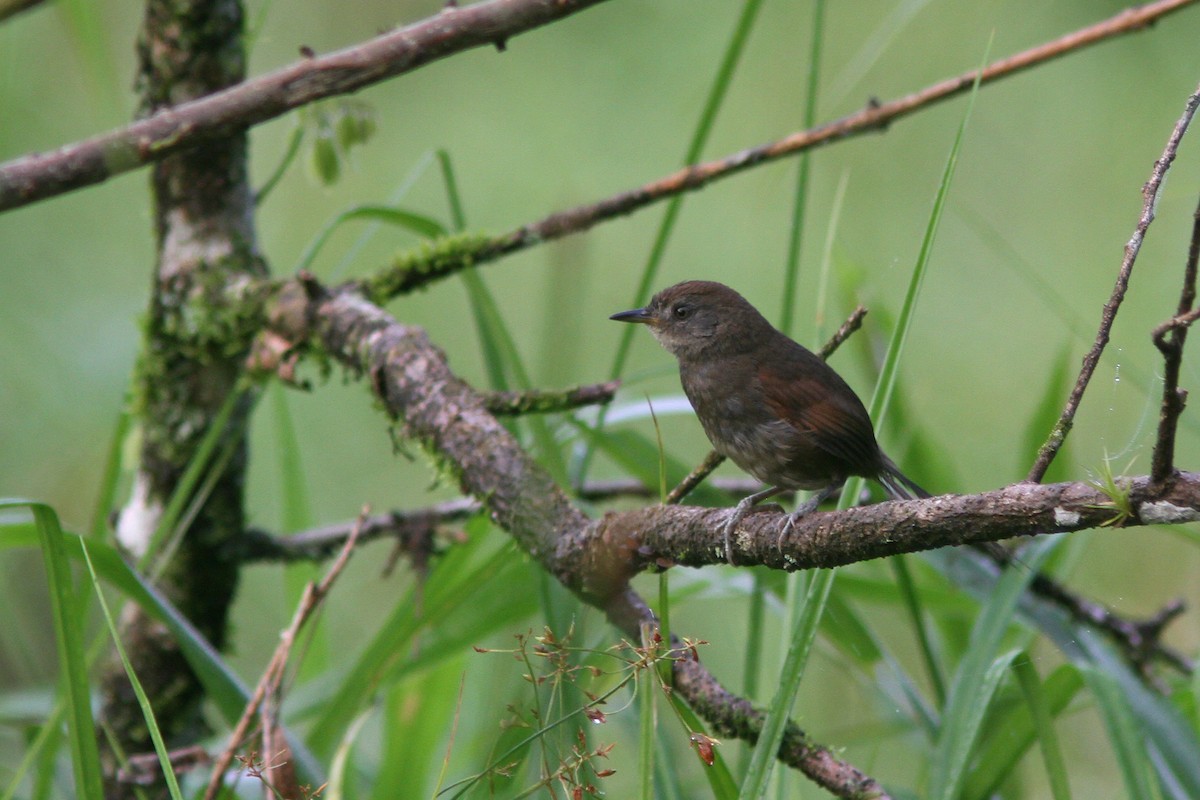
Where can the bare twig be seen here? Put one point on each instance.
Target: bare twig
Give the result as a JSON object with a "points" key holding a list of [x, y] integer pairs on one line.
{"points": [[1150, 200], [715, 459], [405, 275], [695, 477], [852, 324], [41, 175], [1174, 398], [544, 402], [413, 529], [269, 683]]}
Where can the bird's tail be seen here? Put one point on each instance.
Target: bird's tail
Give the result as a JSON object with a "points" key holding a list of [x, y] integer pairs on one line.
{"points": [[898, 485]]}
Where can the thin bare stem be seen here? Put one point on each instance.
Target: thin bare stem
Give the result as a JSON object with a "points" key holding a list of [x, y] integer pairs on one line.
{"points": [[269, 683], [1150, 193], [1169, 339]]}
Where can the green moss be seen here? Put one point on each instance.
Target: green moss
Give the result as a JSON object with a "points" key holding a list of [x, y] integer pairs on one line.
{"points": [[425, 263]]}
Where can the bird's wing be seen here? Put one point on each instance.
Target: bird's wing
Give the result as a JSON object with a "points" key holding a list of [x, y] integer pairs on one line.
{"points": [[814, 400]]}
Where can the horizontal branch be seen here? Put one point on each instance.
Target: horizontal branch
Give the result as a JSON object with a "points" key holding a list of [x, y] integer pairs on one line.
{"points": [[409, 273], [41, 175], [692, 536]]}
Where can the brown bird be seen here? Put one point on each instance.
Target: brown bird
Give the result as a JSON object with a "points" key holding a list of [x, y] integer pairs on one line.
{"points": [[769, 404]]}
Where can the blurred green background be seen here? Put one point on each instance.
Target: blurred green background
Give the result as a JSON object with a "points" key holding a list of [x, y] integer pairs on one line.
{"points": [[1046, 195]]}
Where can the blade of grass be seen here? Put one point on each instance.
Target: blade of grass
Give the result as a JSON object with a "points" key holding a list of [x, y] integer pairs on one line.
{"points": [[106, 496], [502, 358], [1042, 714], [68, 636], [809, 616], [704, 126], [916, 615], [1017, 731], [791, 273], [1163, 727], [295, 514], [977, 676], [423, 226], [160, 747], [1126, 735], [168, 526], [791, 278]]}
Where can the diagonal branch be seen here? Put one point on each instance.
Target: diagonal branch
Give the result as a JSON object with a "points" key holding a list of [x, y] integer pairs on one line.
{"points": [[409, 273], [41, 175], [1150, 192], [450, 420]]}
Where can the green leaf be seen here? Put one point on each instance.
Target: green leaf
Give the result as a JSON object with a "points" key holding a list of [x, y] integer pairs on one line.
{"points": [[68, 636], [977, 676], [1126, 734], [160, 747], [419, 224]]}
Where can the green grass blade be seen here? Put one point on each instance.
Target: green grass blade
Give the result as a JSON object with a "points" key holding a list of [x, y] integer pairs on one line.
{"points": [[160, 747], [106, 497], [647, 695], [424, 226], [802, 635], [976, 678], [197, 468], [501, 357], [1042, 714], [295, 514], [700, 136], [295, 139], [1163, 727], [1126, 735], [1020, 727], [916, 614], [68, 636], [822, 581], [791, 272]]}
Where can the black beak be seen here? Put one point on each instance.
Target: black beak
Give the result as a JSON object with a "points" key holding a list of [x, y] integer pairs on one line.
{"points": [[636, 315]]}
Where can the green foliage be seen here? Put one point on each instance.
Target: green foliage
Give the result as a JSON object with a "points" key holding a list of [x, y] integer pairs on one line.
{"points": [[934, 674]]}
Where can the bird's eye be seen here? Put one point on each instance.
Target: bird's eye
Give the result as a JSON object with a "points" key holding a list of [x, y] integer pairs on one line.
{"points": [[682, 312]]}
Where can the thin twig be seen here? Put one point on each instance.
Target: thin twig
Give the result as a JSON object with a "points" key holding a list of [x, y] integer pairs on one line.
{"points": [[38, 176], [405, 276], [1150, 201], [544, 402], [1174, 398], [313, 595], [715, 459], [413, 529]]}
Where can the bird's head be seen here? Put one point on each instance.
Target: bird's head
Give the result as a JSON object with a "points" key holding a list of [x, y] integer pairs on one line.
{"points": [[698, 319]]}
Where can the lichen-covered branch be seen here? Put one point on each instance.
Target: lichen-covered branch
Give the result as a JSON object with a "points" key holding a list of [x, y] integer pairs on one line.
{"points": [[691, 536], [451, 421]]}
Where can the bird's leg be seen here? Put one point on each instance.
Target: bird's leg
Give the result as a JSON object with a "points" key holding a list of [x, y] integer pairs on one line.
{"points": [[740, 511], [807, 507]]}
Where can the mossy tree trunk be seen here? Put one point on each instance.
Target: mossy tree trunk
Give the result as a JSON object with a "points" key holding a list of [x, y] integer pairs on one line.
{"points": [[195, 345]]}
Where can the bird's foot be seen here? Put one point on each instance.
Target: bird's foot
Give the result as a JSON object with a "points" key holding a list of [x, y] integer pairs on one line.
{"points": [[806, 508]]}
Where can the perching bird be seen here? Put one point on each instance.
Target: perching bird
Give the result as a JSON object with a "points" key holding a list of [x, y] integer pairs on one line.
{"points": [[769, 404]]}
